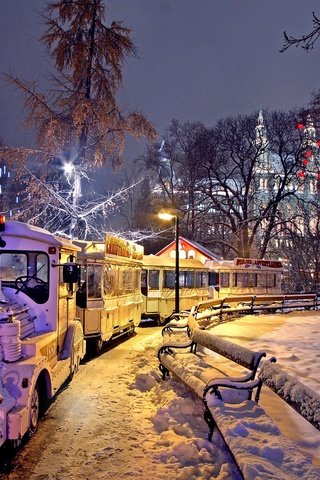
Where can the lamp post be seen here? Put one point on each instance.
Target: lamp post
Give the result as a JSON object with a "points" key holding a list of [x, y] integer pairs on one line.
{"points": [[169, 216]]}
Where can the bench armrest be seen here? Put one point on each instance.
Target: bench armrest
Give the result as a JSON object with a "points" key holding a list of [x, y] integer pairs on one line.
{"points": [[173, 344], [213, 387], [168, 346], [181, 325], [245, 378]]}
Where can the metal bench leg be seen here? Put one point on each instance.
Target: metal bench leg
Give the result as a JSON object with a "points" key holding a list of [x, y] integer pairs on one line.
{"points": [[209, 421], [164, 371]]}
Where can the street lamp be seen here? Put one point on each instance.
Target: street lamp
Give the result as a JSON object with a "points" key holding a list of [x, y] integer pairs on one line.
{"points": [[168, 216]]}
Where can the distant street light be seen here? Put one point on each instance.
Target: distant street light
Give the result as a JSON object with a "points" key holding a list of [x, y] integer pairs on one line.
{"points": [[168, 216]]}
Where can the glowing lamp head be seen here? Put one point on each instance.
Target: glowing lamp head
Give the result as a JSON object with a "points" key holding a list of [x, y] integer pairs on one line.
{"points": [[68, 168], [166, 216]]}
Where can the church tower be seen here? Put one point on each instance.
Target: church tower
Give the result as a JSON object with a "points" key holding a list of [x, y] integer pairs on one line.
{"points": [[264, 161]]}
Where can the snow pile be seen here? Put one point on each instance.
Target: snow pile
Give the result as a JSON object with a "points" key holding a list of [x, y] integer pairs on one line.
{"points": [[177, 417]]}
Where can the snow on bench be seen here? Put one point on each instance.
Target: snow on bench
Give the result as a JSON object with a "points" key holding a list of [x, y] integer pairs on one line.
{"points": [[263, 452], [174, 356], [244, 304], [257, 445], [300, 397]]}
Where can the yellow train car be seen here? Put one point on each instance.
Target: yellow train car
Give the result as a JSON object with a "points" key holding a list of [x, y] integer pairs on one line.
{"points": [[109, 300], [158, 286], [245, 276]]}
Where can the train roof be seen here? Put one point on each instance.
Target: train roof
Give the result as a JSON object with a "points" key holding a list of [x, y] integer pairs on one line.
{"points": [[155, 261], [245, 265], [31, 232]]}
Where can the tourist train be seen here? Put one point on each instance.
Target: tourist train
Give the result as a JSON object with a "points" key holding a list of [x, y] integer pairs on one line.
{"points": [[57, 296]]}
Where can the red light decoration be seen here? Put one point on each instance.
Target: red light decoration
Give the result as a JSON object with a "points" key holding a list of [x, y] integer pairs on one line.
{"points": [[308, 153], [305, 161], [318, 176], [318, 143], [300, 125], [301, 174]]}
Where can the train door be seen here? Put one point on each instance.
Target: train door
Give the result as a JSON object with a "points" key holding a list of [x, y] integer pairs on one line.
{"points": [[67, 306], [150, 289]]}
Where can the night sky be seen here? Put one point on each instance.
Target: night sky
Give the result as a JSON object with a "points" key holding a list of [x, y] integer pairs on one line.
{"points": [[198, 59]]}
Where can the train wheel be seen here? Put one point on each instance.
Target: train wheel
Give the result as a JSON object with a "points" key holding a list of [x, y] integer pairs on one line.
{"points": [[75, 368], [98, 345], [34, 409], [130, 332]]}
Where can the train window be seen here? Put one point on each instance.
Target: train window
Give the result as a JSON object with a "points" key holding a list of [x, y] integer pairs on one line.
{"points": [[27, 272], [42, 267], [136, 280], [245, 279], [13, 265], [271, 280], [189, 279], [110, 281], [127, 281], [119, 290], [213, 279], [154, 279], [261, 280], [204, 279], [168, 278], [250, 279], [94, 281], [224, 279]]}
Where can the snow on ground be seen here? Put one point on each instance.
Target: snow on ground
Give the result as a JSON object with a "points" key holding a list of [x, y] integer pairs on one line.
{"points": [[118, 419]]}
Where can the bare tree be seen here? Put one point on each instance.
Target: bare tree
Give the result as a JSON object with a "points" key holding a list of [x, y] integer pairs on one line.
{"points": [[302, 251], [305, 41], [78, 120], [236, 184], [253, 174], [175, 167]]}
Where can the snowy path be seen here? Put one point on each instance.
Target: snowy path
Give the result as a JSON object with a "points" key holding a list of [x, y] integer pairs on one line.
{"points": [[117, 420]]}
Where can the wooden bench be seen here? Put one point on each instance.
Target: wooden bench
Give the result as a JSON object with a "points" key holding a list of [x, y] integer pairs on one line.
{"points": [[172, 354], [206, 310], [255, 442], [258, 447], [250, 304]]}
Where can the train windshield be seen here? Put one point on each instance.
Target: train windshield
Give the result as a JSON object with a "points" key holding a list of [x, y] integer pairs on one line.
{"points": [[27, 272]]}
